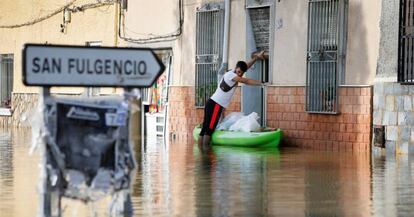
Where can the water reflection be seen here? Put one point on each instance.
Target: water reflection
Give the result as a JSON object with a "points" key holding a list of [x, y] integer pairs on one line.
{"points": [[6, 172], [177, 180], [393, 185], [220, 191], [18, 174]]}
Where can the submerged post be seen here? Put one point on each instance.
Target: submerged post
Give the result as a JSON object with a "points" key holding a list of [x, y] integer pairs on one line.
{"points": [[49, 199]]}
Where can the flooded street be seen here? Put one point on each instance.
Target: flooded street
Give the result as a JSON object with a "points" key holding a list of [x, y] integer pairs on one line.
{"points": [[178, 181]]}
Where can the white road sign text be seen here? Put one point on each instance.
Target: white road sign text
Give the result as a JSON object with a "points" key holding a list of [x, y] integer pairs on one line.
{"points": [[55, 65]]}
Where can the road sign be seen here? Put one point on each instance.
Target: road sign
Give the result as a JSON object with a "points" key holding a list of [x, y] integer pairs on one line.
{"points": [[61, 65]]}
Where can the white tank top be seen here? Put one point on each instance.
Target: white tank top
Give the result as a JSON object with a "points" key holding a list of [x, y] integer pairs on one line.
{"points": [[223, 98]]}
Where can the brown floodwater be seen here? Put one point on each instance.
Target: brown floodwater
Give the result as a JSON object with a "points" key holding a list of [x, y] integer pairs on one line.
{"points": [[176, 180]]}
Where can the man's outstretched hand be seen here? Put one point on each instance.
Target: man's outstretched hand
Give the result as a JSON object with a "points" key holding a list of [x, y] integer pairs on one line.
{"points": [[255, 56], [260, 55]]}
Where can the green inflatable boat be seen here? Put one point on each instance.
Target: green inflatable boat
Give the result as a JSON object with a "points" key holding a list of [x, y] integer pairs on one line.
{"points": [[241, 139]]}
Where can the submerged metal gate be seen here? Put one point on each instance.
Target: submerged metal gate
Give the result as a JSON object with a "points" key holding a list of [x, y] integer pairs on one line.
{"points": [[325, 56], [209, 39], [6, 79], [406, 42]]}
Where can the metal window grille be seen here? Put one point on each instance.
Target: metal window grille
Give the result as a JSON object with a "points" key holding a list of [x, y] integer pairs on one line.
{"points": [[6, 79], [324, 55], [209, 39], [406, 42]]}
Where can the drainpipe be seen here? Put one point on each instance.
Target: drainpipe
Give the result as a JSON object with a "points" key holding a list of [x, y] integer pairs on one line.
{"points": [[224, 64]]}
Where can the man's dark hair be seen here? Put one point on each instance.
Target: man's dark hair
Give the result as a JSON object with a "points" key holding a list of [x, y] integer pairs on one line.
{"points": [[242, 65]]}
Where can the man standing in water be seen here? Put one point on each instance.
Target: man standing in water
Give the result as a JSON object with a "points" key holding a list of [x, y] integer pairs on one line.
{"points": [[222, 97]]}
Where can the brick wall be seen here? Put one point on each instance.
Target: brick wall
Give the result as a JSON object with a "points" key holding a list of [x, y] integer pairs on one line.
{"points": [[350, 130], [183, 115]]}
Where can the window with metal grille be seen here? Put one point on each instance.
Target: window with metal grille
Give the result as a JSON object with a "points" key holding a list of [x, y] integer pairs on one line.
{"points": [[6, 79], [406, 42], [325, 55], [209, 37]]}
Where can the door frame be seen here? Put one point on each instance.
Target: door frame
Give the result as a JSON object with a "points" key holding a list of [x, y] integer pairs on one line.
{"points": [[251, 4]]}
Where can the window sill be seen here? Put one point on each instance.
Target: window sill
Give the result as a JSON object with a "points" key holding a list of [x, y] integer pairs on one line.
{"points": [[5, 112]]}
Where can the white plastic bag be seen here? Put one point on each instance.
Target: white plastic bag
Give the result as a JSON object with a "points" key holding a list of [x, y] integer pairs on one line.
{"points": [[247, 124], [229, 120]]}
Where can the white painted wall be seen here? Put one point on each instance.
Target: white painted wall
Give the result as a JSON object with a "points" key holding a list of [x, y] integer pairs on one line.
{"points": [[159, 17]]}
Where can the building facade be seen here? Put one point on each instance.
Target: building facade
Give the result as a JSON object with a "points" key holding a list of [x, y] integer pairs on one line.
{"points": [[80, 22], [322, 64], [323, 57], [393, 91]]}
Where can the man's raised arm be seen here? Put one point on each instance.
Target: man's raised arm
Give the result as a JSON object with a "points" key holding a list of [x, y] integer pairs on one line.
{"points": [[255, 57], [247, 81]]}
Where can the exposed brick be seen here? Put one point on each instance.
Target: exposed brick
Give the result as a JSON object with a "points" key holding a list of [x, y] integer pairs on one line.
{"points": [[359, 137], [335, 146], [279, 116], [367, 100], [285, 91], [285, 116], [342, 92], [367, 138], [290, 117], [336, 127], [286, 109], [346, 109], [349, 91], [364, 91], [360, 100], [284, 124], [301, 91], [293, 91], [286, 99], [357, 91], [300, 108], [292, 125], [329, 145], [346, 137], [296, 117], [356, 100], [352, 137], [342, 128], [339, 136], [276, 90], [272, 99], [322, 127]]}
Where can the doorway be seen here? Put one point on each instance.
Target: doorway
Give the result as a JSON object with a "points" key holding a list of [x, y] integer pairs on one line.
{"points": [[259, 36], [155, 103]]}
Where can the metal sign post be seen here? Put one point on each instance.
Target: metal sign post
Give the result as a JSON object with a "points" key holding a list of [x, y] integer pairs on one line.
{"points": [[87, 142]]}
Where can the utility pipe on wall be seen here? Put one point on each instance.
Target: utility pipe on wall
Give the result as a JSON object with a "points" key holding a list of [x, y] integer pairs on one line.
{"points": [[224, 64]]}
